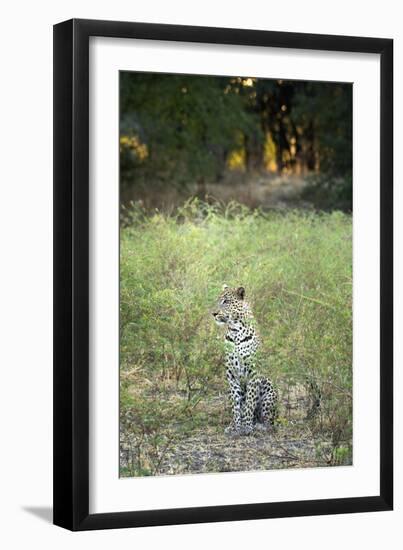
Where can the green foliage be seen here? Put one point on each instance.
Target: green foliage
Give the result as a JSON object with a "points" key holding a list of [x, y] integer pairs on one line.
{"points": [[297, 272]]}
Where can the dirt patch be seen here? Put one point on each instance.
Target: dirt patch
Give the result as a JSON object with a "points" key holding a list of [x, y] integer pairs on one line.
{"points": [[214, 452]]}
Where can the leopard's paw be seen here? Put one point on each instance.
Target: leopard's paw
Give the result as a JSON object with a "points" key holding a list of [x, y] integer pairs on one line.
{"points": [[262, 427], [232, 431], [247, 430]]}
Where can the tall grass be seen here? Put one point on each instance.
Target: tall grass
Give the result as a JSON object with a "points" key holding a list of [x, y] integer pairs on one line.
{"points": [[297, 271]]}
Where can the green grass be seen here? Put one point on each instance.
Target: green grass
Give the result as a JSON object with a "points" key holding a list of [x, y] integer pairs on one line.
{"points": [[296, 268]]}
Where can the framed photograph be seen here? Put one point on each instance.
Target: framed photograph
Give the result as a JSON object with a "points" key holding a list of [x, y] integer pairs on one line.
{"points": [[223, 282]]}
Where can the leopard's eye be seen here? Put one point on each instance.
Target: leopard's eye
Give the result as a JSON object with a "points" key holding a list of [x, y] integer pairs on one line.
{"points": [[225, 301]]}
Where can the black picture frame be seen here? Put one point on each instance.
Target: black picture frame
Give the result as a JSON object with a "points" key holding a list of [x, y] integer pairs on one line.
{"points": [[71, 274]]}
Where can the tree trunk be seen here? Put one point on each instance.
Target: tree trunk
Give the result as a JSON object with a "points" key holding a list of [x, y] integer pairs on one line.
{"points": [[310, 151]]}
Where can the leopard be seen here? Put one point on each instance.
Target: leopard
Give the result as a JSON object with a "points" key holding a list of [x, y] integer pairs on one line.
{"points": [[253, 397]]}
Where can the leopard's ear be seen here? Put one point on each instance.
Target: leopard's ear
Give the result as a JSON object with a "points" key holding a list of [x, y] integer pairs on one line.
{"points": [[224, 287], [241, 292]]}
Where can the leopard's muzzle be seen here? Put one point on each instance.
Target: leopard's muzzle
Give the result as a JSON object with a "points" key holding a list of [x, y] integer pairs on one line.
{"points": [[220, 318]]}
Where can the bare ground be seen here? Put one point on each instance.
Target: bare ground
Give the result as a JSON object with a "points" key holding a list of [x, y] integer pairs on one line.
{"points": [[217, 452], [267, 191]]}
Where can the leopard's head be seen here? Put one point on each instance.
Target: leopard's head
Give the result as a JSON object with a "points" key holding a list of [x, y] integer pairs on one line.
{"points": [[231, 305]]}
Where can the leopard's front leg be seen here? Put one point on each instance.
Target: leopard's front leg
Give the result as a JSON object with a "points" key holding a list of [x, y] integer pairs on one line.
{"points": [[236, 398], [249, 408]]}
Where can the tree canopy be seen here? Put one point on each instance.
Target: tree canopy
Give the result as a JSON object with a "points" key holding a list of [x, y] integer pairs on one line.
{"points": [[186, 128]]}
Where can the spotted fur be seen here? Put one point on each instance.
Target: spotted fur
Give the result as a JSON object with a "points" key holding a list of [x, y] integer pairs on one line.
{"points": [[253, 397]]}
